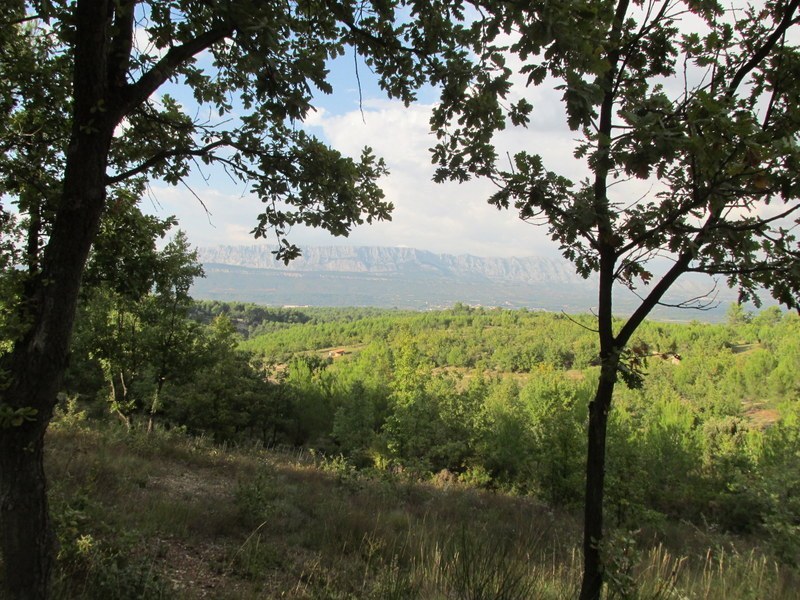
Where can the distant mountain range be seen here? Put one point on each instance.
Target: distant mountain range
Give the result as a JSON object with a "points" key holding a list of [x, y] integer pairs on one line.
{"points": [[410, 278], [396, 261]]}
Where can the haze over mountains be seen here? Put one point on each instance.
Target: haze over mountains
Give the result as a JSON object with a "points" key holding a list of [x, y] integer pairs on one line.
{"points": [[409, 278], [383, 260]]}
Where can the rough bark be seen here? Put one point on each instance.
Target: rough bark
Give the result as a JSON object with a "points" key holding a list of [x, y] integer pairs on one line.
{"points": [[27, 534], [36, 364]]}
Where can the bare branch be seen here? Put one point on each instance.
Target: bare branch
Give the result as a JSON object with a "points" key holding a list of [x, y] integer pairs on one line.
{"points": [[20, 21], [160, 158], [199, 199], [704, 302], [579, 324]]}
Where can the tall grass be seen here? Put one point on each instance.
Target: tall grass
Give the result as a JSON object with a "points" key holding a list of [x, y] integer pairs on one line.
{"points": [[164, 515]]}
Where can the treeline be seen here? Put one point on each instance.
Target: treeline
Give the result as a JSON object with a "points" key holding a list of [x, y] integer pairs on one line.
{"points": [[252, 320], [708, 431]]}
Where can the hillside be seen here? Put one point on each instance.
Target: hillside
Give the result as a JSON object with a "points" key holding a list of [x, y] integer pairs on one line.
{"points": [[382, 260], [368, 453], [413, 279], [161, 516]]}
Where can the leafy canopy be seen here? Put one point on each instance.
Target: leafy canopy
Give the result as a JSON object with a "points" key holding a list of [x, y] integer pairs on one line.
{"points": [[698, 100], [190, 84]]}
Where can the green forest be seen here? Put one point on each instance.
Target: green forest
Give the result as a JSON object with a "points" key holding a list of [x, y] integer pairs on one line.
{"points": [[706, 433], [152, 446]]}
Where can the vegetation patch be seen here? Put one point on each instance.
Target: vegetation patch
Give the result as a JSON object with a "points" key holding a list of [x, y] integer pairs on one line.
{"points": [[249, 523]]}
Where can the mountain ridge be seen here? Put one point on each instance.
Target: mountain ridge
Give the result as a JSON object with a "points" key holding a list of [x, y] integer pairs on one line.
{"points": [[397, 260], [416, 279]]}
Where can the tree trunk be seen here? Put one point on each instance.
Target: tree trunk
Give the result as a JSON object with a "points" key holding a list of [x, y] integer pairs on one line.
{"points": [[27, 533], [595, 480], [154, 406], [32, 371], [35, 368], [592, 583]]}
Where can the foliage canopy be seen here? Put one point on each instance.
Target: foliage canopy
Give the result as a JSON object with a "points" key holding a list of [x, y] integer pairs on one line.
{"points": [[90, 112]]}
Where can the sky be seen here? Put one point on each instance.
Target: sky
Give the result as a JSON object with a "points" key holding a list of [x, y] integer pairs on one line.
{"points": [[444, 218]]}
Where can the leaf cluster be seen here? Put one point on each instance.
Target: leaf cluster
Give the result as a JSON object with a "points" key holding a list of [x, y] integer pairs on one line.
{"points": [[190, 85], [698, 102]]}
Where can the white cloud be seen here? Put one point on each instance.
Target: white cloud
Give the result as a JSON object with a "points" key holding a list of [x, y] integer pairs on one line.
{"points": [[449, 217], [224, 217]]}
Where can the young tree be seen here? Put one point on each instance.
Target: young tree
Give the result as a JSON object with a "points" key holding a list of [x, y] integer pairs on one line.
{"points": [[133, 311], [82, 126], [120, 326], [168, 310], [698, 101]]}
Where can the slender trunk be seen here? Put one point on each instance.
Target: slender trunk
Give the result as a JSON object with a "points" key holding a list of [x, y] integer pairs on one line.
{"points": [[115, 404], [124, 399], [592, 584], [155, 405]]}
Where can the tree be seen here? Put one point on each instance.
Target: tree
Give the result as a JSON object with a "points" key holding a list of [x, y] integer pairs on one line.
{"points": [[697, 103], [133, 311], [227, 395], [83, 126], [737, 316], [119, 326]]}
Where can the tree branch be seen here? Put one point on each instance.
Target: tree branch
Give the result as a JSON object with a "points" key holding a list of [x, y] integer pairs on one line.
{"points": [[704, 302], [579, 324], [760, 54], [20, 20], [148, 83], [736, 269], [680, 267], [160, 157], [653, 298], [742, 226]]}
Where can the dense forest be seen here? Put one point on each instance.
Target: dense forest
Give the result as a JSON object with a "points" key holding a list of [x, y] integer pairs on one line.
{"points": [[707, 430]]}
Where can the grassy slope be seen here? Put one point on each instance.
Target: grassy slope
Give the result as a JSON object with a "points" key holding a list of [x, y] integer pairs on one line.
{"points": [[168, 516]]}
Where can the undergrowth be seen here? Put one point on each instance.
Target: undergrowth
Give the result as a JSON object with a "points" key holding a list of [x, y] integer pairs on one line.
{"points": [[164, 515]]}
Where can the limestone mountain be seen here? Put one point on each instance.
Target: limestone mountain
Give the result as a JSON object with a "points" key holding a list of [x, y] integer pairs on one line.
{"points": [[415, 279], [384, 260]]}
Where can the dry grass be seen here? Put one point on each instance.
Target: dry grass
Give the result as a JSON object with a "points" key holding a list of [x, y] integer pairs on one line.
{"points": [[237, 523]]}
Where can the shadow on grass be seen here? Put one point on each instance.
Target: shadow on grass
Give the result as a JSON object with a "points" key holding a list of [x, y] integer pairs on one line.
{"points": [[165, 515]]}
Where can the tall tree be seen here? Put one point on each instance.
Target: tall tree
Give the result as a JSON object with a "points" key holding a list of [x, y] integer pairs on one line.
{"points": [[119, 326], [700, 102], [83, 125], [172, 332]]}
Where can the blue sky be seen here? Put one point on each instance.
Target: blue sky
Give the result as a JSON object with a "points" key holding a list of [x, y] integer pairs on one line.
{"points": [[446, 218]]}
